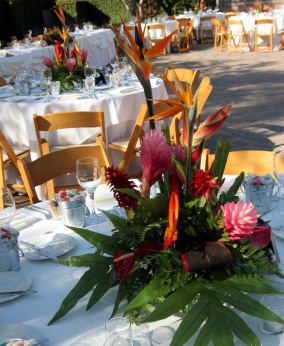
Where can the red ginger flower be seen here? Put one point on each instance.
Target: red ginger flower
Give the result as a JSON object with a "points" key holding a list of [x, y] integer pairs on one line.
{"points": [[119, 180], [240, 220], [155, 156], [202, 183]]}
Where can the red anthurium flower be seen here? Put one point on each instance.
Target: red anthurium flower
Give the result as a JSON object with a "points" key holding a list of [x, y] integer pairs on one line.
{"points": [[202, 183], [171, 232], [70, 64], [47, 61], [261, 237]]}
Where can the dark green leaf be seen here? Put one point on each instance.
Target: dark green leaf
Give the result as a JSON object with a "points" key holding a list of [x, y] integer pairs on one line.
{"points": [[102, 242], [119, 223], [103, 285], [121, 294], [174, 302], [88, 260], [192, 321], [230, 195], [155, 289], [220, 161], [84, 285]]}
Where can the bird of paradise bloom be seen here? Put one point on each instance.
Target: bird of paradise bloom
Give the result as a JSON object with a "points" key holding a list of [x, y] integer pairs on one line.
{"points": [[139, 57], [171, 232]]}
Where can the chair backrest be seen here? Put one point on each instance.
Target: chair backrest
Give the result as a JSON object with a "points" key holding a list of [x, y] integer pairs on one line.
{"points": [[2, 82], [218, 25], [184, 26], [185, 75], [236, 26], [249, 161], [6, 147], [65, 120], [205, 22], [138, 128], [55, 164], [263, 26], [231, 14], [156, 31]]}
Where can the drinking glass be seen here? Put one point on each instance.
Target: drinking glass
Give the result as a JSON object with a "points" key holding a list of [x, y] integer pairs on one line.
{"points": [[7, 207], [89, 83], [54, 89], [88, 174], [119, 329], [89, 71], [275, 303]]}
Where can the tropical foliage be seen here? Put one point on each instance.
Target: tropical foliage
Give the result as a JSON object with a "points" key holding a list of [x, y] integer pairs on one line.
{"points": [[191, 250]]}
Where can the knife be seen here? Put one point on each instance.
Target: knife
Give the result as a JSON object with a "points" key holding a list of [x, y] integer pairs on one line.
{"points": [[8, 293]]}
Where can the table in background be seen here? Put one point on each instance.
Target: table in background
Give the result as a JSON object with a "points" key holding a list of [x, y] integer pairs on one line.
{"points": [[54, 281], [98, 42]]}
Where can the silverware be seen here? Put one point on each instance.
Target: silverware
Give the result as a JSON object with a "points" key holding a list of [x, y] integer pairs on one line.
{"points": [[40, 251], [11, 293]]}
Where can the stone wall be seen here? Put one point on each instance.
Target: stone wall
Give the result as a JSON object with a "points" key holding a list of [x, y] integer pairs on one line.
{"points": [[244, 5]]}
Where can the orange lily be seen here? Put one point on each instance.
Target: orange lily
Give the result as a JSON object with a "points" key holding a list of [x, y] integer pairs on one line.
{"points": [[171, 232]]}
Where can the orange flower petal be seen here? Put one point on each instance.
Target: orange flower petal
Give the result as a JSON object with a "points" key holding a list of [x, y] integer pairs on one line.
{"points": [[159, 47]]}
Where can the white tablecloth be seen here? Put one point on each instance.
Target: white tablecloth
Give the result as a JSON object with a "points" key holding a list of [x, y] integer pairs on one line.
{"points": [[54, 281], [99, 43], [120, 108]]}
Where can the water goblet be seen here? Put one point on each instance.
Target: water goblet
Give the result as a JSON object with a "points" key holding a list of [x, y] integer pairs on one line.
{"points": [[89, 71], [7, 207], [88, 174], [119, 329]]}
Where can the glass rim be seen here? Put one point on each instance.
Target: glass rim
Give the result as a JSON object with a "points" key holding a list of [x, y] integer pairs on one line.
{"points": [[124, 319], [87, 160]]}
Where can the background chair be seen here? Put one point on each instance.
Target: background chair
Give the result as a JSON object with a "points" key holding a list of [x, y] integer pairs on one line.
{"points": [[8, 160], [56, 164], [249, 161], [156, 32], [185, 35], [130, 147], [185, 75], [238, 37], [220, 34], [206, 29], [65, 120], [263, 35]]}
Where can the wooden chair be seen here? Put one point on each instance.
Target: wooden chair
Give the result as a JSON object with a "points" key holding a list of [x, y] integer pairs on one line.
{"points": [[56, 164], [238, 37], [185, 34], [220, 34], [206, 29], [156, 32], [2, 82], [185, 75], [201, 96], [131, 146], [8, 157], [263, 30], [65, 120], [231, 14], [249, 161]]}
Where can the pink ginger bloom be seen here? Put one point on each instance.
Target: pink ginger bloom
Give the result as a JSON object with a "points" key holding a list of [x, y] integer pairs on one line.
{"points": [[155, 156], [240, 220], [70, 64], [47, 61], [84, 55]]}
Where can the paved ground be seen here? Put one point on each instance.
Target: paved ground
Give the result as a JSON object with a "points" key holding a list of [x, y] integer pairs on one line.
{"points": [[253, 81]]}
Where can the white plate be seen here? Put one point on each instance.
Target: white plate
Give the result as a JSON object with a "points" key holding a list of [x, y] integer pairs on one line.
{"points": [[56, 244], [19, 331], [13, 281]]}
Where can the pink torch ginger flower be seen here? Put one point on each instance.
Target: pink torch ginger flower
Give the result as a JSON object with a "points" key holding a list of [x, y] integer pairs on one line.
{"points": [[47, 61], [240, 220], [70, 64], [84, 55], [155, 157]]}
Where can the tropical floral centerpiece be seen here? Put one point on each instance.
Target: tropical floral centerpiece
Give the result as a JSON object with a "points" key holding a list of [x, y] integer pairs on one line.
{"points": [[258, 7], [189, 250], [68, 64], [200, 6]]}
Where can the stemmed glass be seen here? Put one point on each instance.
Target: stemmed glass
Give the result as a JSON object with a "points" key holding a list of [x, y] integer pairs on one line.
{"points": [[7, 207], [88, 174]]}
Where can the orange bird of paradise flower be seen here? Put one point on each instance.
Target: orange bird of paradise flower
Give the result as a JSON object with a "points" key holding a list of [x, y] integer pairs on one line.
{"points": [[171, 232]]}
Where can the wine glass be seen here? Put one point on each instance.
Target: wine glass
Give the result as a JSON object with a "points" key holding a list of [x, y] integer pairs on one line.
{"points": [[89, 71], [7, 207], [88, 174]]}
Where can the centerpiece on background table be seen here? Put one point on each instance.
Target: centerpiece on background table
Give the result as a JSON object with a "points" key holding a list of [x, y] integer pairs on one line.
{"points": [[68, 65], [200, 6], [258, 7], [189, 251]]}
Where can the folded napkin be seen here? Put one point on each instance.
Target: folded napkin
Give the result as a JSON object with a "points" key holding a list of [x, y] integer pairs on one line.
{"points": [[22, 221], [129, 89]]}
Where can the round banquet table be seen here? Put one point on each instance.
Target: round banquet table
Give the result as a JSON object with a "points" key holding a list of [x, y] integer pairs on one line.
{"points": [[99, 43], [53, 281], [121, 106]]}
